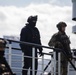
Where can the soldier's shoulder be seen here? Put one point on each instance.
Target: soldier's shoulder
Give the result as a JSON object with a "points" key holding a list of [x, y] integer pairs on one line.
{"points": [[25, 28], [55, 34], [36, 28]]}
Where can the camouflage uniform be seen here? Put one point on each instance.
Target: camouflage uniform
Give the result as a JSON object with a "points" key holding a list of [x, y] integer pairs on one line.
{"points": [[2, 47], [61, 40], [4, 67]]}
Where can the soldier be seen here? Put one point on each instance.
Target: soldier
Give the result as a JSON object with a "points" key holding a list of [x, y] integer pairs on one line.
{"points": [[61, 40], [30, 33], [4, 67]]}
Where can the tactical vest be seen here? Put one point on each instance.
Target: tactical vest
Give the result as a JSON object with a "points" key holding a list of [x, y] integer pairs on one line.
{"points": [[64, 40]]}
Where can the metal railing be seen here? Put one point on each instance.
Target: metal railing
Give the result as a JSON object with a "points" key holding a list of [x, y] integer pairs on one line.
{"points": [[44, 68]]}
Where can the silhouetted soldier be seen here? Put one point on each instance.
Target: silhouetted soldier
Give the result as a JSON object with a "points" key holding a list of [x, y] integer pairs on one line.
{"points": [[4, 67], [61, 40], [30, 33]]}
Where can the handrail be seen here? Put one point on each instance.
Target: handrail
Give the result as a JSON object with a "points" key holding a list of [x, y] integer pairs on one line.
{"points": [[37, 45], [31, 44], [37, 52], [20, 50]]}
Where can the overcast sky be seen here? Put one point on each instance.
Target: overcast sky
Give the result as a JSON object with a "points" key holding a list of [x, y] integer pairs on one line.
{"points": [[21, 3], [14, 13]]}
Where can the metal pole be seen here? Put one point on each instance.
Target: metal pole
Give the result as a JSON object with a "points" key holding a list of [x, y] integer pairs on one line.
{"points": [[68, 67], [22, 59], [75, 66], [52, 66], [54, 63], [59, 63], [43, 65], [10, 52], [33, 61]]}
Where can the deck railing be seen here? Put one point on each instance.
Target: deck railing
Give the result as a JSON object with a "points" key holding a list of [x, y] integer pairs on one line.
{"points": [[44, 67]]}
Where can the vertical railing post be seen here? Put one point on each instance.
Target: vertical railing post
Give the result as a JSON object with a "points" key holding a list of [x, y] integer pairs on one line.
{"points": [[10, 52], [75, 66], [43, 64], [33, 61], [22, 59], [68, 67], [52, 66], [54, 62], [59, 63]]}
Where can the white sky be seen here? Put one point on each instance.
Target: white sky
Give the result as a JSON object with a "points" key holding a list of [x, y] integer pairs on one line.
{"points": [[14, 13]]}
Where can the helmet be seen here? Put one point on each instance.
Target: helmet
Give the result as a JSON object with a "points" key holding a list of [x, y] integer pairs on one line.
{"points": [[2, 44], [32, 19], [61, 24]]}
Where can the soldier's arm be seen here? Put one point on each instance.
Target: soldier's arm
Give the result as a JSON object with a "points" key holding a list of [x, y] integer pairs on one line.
{"points": [[23, 37], [52, 41], [68, 46], [39, 42], [69, 50]]}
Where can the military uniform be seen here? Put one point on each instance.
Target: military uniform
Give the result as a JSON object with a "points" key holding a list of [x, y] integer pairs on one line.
{"points": [[61, 40], [30, 34], [4, 67]]}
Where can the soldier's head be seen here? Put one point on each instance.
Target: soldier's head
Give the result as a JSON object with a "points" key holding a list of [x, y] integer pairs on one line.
{"points": [[2, 44], [61, 26], [32, 20]]}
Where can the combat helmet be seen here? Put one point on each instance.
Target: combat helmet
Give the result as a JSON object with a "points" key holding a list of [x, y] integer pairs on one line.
{"points": [[61, 24], [2, 44], [32, 19]]}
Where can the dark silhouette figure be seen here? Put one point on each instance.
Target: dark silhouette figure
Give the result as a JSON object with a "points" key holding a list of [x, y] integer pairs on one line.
{"points": [[30, 33]]}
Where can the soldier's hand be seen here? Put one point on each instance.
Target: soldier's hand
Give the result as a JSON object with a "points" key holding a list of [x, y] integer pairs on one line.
{"points": [[40, 54], [70, 57]]}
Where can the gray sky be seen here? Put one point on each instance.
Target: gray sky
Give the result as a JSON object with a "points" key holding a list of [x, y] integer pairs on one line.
{"points": [[21, 3]]}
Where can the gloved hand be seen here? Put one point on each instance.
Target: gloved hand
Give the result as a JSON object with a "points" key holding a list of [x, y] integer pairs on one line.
{"points": [[40, 53], [70, 56]]}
